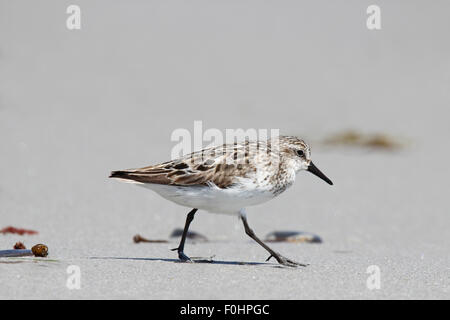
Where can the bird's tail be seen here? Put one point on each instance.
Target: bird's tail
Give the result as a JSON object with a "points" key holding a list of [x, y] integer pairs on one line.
{"points": [[118, 174], [125, 175]]}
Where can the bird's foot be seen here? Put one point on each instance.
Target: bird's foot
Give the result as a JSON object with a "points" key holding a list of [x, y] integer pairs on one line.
{"points": [[182, 256], [285, 261]]}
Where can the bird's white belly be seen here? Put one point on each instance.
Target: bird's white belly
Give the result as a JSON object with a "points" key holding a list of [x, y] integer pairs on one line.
{"points": [[212, 199]]}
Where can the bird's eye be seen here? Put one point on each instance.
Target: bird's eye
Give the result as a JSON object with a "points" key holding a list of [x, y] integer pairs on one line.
{"points": [[300, 153]]}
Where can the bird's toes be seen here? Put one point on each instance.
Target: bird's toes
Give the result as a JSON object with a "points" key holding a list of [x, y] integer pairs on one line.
{"points": [[290, 263], [183, 257]]}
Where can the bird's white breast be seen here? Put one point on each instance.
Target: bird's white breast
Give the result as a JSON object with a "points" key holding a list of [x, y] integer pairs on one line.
{"points": [[213, 199]]}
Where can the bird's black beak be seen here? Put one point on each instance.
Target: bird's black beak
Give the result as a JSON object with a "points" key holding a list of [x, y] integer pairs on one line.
{"points": [[314, 170]]}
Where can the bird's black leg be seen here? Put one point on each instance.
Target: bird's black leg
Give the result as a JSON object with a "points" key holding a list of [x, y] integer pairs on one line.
{"points": [[180, 248], [282, 260]]}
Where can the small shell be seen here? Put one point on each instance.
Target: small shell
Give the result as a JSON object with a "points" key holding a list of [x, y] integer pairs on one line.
{"points": [[40, 250]]}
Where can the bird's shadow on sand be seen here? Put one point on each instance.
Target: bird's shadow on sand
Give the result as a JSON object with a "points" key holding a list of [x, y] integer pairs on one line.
{"points": [[195, 260]]}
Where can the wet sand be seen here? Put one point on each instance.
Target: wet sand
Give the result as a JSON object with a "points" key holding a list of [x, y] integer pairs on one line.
{"points": [[75, 105]]}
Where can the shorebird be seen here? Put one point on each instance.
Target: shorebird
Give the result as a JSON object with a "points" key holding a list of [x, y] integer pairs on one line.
{"points": [[227, 179]]}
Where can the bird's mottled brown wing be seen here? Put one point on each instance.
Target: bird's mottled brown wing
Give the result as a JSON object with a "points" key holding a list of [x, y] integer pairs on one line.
{"points": [[210, 166]]}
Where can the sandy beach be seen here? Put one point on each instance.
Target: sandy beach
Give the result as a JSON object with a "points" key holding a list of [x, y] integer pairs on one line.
{"points": [[77, 104]]}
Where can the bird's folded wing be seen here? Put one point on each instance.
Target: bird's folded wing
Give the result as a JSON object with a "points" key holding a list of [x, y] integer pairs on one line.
{"points": [[219, 166], [179, 173]]}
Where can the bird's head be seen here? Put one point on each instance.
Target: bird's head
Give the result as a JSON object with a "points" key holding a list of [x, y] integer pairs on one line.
{"points": [[298, 153]]}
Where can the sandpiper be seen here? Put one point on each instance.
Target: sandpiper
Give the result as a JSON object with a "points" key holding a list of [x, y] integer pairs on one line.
{"points": [[227, 179]]}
